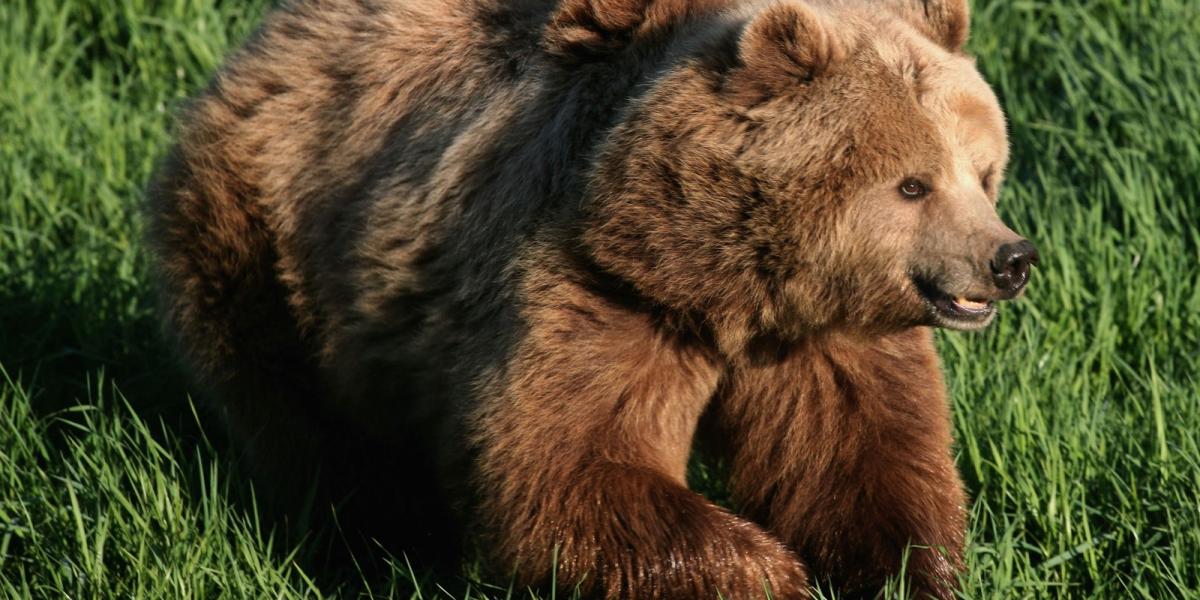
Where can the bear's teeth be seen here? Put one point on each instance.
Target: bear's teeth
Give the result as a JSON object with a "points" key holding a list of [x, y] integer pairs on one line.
{"points": [[970, 304]]}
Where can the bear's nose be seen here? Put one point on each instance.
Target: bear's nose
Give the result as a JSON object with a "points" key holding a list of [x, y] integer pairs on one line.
{"points": [[1010, 267]]}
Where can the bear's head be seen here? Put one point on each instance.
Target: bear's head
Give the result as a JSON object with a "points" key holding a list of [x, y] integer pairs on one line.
{"points": [[799, 166]]}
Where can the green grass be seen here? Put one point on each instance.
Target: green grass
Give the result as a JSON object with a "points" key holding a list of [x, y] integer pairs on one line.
{"points": [[1077, 414]]}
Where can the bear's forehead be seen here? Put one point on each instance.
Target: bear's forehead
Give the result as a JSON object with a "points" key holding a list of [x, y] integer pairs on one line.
{"points": [[949, 91]]}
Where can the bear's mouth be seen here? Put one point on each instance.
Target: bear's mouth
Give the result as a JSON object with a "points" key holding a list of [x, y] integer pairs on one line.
{"points": [[955, 311]]}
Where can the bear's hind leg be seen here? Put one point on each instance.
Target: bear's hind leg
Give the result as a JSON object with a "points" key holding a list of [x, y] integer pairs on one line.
{"points": [[222, 302], [227, 310]]}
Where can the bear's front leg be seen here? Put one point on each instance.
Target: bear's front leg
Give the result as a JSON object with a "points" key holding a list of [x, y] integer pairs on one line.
{"points": [[580, 463], [840, 446]]}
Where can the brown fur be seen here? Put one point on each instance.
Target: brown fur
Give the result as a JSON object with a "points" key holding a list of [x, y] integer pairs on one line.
{"points": [[513, 251], [852, 462]]}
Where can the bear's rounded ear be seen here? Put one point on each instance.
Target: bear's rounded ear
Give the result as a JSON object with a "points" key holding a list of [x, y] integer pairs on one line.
{"points": [[947, 22], [788, 40], [587, 28]]}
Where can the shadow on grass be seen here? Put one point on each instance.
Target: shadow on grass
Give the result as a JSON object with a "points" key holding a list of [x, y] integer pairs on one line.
{"points": [[80, 371]]}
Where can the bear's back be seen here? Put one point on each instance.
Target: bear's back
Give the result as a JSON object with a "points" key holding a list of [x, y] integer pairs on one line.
{"points": [[358, 157], [363, 176]]}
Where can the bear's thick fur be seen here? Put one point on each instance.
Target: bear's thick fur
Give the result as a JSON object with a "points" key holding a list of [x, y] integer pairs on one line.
{"points": [[522, 252]]}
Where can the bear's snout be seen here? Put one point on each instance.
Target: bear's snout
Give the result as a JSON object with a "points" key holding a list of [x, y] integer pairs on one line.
{"points": [[1010, 266]]}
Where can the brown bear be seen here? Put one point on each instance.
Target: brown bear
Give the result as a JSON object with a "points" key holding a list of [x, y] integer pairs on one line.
{"points": [[524, 253]]}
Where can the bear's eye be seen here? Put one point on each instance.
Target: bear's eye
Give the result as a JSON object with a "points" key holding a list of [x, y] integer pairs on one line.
{"points": [[913, 189], [986, 180]]}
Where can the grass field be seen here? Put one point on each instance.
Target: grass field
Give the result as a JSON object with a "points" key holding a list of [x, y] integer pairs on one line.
{"points": [[1077, 414]]}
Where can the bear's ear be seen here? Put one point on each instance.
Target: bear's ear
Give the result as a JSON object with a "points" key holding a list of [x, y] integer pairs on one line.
{"points": [[588, 28], [947, 22], [788, 41]]}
